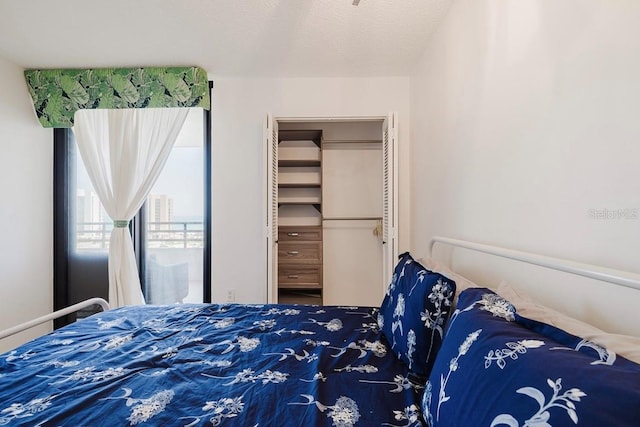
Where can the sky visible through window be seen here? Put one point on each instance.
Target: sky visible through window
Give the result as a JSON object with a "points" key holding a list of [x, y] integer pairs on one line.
{"points": [[182, 176]]}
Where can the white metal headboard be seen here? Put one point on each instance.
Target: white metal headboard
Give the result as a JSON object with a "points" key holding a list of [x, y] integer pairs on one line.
{"points": [[622, 278]]}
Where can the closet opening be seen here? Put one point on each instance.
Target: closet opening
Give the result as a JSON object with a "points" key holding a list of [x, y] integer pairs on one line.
{"points": [[331, 222]]}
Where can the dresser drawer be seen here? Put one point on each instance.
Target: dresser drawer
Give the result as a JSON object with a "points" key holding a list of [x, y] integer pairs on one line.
{"points": [[299, 252], [299, 276], [292, 234]]}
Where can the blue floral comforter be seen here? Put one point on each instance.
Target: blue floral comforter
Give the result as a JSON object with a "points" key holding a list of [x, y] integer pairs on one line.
{"points": [[221, 365]]}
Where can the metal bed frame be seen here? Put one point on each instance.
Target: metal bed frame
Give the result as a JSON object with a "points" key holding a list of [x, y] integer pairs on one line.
{"points": [[618, 277], [104, 305]]}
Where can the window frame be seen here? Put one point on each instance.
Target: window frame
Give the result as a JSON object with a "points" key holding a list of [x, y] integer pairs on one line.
{"points": [[63, 173]]}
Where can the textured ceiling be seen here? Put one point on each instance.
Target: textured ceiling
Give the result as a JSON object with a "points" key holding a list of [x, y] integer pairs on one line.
{"points": [[288, 38]]}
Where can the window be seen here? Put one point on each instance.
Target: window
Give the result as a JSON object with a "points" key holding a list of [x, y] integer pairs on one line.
{"points": [[174, 222], [171, 233]]}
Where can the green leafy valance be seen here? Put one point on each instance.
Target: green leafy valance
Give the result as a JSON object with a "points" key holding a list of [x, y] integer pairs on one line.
{"points": [[58, 94]]}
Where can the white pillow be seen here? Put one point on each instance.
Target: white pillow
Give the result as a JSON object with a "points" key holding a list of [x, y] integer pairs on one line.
{"points": [[462, 283], [624, 345]]}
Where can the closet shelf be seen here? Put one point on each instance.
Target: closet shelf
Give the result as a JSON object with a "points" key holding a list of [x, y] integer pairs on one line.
{"points": [[299, 201], [299, 195], [298, 162], [316, 206], [301, 221], [314, 135], [299, 153], [299, 177], [352, 141], [298, 185], [300, 286]]}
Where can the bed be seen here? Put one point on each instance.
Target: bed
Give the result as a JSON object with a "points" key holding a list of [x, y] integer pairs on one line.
{"points": [[244, 365], [439, 351]]}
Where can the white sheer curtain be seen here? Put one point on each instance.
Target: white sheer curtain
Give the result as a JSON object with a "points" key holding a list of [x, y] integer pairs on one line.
{"points": [[124, 151]]}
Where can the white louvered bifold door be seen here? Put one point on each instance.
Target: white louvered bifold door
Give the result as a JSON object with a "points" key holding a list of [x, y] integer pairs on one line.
{"points": [[389, 197], [271, 170]]}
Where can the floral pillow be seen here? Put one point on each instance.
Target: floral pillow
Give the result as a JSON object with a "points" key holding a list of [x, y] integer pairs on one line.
{"points": [[413, 313], [496, 368]]}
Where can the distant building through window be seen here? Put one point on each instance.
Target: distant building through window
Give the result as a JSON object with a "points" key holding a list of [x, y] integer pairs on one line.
{"points": [[160, 211]]}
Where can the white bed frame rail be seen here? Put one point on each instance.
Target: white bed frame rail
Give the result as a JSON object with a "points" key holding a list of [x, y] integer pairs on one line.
{"points": [[619, 277], [104, 305]]}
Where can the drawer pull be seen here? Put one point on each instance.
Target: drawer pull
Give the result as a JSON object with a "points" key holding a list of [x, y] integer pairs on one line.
{"points": [[293, 253], [293, 234], [293, 276]]}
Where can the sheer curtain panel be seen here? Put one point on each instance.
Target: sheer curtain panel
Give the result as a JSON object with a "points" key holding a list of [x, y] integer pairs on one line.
{"points": [[124, 151]]}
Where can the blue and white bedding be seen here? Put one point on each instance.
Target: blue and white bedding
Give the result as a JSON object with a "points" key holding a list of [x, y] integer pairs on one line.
{"points": [[233, 365], [407, 364], [499, 369]]}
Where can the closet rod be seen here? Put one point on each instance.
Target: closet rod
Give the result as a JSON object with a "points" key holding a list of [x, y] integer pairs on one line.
{"points": [[354, 218]]}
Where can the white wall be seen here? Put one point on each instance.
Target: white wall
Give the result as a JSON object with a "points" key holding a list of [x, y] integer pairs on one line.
{"points": [[524, 118], [26, 262], [239, 109]]}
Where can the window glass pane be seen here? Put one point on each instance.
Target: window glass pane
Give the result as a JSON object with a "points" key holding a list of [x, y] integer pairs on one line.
{"points": [[92, 224], [174, 221]]}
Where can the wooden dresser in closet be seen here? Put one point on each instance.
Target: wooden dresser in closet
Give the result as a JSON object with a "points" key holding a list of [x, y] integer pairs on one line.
{"points": [[299, 216], [300, 264]]}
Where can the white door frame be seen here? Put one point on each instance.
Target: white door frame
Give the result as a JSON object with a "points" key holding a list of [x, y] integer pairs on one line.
{"points": [[271, 289]]}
